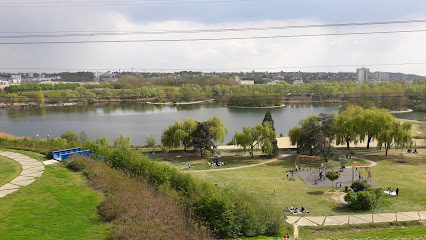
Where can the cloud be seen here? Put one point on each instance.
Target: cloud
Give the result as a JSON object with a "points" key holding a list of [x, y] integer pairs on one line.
{"points": [[241, 55]]}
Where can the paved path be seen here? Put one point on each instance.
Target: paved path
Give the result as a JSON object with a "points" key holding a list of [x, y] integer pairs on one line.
{"points": [[31, 169], [353, 219], [245, 166]]}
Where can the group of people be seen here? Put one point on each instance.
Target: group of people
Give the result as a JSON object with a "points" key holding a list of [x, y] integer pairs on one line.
{"points": [[390, 192], [338, 185], [296, 210], [412, 151], [217, 163]]}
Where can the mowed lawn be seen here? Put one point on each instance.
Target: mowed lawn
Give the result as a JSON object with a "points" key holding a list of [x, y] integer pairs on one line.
{"points": [[9, 170], [58, 205], [261, 181]]}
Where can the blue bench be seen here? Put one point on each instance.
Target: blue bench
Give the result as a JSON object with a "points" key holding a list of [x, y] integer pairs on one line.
{"points": [[63, 155]]}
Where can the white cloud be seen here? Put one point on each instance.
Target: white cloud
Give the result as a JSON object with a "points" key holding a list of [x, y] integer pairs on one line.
{"points": [[243, 54]]}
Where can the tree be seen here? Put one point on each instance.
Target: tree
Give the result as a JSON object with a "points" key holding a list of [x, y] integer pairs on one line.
{"points": [[201, 138], [67, 95], [217, 129], [178, 134], [261, 135], [315, 135], [372, 124], [394, 134], [268, 119], [70, 136], [332, 175], [150, 141], [39, 97], [82, 137], [348, 126], [122, 142]]}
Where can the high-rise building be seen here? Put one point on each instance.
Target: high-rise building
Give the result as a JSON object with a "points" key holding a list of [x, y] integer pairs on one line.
{"points": [[362, 75], [381, 76]]}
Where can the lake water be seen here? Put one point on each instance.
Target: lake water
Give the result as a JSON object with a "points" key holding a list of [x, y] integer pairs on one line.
{"points": [[136, 120]]}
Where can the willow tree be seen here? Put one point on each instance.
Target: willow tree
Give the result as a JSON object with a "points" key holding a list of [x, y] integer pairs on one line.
{"points": [[262, 135], [395, 134], [217, 129], [372, 123], [348, 126]]}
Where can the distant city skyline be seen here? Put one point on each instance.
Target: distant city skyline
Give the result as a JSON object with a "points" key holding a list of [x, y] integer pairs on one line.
{"points": [[394, 52]]}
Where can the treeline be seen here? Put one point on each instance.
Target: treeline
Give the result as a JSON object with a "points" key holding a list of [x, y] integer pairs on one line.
{"points": [[316, 133], [77, 77], [40, 87], [186, 79]]}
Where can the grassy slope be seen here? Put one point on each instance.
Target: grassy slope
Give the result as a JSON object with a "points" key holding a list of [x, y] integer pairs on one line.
{"points": [[9, 170], [58, 205], [262, 180]]}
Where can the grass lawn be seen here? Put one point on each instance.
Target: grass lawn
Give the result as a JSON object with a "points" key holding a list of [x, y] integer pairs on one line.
{"points": [[9, 170], [262, 180], [58, 205], [413, 230], [181, 163]]}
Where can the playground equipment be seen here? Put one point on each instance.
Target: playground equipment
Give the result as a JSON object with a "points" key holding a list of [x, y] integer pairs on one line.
{"points": [[307, 159], [359, 168]]}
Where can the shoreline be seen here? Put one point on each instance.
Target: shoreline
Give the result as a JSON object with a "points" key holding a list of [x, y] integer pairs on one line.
{"points": [[180, 103], [283, 105], [402, 111]]}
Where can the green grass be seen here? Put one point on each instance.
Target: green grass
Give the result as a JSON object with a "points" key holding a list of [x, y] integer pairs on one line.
{"points": [[261, 181], [410, 230], [181, 163], [37, 156], [9, 170], [58, 205]]}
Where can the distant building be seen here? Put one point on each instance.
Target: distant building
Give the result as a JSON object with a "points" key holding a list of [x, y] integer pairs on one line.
{"points": [[236, 79], [381, 76], [247, 82], [362, 75], [15, 79], [4, 82]]}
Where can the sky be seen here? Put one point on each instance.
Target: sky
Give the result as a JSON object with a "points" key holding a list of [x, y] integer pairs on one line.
{"points": [[392, 52]]}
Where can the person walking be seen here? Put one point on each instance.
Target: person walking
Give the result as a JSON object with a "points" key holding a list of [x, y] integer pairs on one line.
{"points": [[397, 191]]}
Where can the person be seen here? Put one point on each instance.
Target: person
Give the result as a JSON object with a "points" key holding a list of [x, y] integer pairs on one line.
{"points": [[286, 235], [296, 168], [303, 209], [397, 191], [415, 151], [359, 176], [189, 165], [153, 151], [288, 174], [286, 209], [291, 208], [409, 151], [320, 175]]}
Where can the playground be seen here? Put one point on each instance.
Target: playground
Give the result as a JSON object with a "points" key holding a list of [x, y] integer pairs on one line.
{"points": [[312, 171]]}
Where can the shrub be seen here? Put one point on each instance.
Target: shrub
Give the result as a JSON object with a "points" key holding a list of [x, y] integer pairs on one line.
{"points": [[164, 149], [353, 152], [70, 136], [206, 153], [365, 200], [359, 185], [150, 141]]}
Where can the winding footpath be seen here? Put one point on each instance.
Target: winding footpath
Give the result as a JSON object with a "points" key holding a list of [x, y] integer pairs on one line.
{"points": [[245, 166], [31, 170]]}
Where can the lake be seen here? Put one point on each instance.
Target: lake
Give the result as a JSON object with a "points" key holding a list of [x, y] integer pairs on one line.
{"points": [[137, 120]]}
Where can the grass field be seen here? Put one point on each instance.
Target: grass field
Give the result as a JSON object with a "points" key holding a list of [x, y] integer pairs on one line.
{"points": [[58, 205], [262, 180], [400, 230], [203, 164], [9, 170]]}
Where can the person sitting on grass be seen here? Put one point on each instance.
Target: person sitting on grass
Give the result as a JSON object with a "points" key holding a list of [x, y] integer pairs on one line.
{"points": [[303, 209]]}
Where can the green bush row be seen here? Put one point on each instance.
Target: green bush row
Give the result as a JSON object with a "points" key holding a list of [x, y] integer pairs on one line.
{"points": [[227, 213]]}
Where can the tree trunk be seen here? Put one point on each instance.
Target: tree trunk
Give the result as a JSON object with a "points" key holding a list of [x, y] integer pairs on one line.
{"points": [[332, 185], [347, 144], [251, 149], [386, 153], [368, 142]]}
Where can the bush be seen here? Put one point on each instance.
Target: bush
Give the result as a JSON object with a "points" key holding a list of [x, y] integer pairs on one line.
{"points": [[353, 152], [164, 149], [206, 153], [365, 200], [70, 136], [150, 141], [359, 185]]}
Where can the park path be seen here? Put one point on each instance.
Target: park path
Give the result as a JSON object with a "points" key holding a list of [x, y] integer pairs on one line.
{"points": [[297, 221], [245, 166], [31, 170]]}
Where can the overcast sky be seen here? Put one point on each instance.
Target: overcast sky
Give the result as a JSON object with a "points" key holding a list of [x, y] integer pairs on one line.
{"points": [[379, 52]]}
